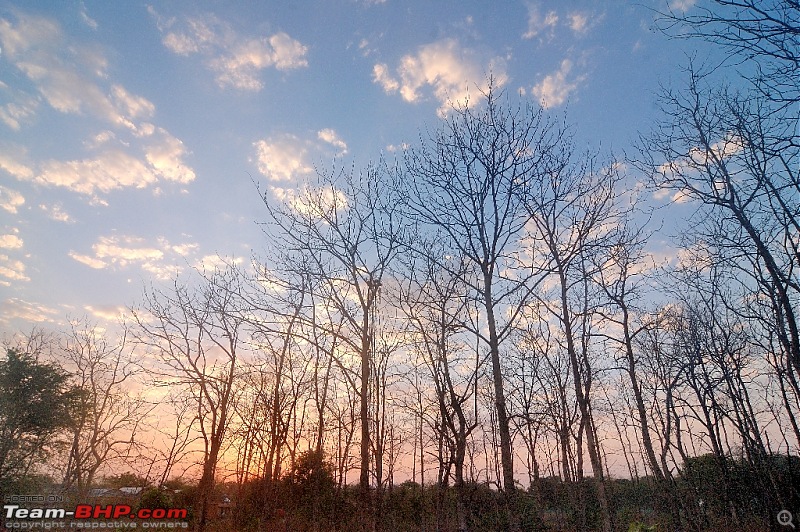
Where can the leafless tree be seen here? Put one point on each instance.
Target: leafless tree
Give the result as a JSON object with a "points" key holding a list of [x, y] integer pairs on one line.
{"points": [[737, 158], [437, 303], [470, 181], [194, 335], [762, 34], [107, 416], [575, 214], [346, 231]]}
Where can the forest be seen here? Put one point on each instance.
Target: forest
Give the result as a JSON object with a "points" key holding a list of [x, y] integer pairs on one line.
{"points": [[474, 336]]}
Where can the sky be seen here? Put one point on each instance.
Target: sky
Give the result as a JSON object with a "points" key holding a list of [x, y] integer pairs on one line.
{"points": [[135, 137]]}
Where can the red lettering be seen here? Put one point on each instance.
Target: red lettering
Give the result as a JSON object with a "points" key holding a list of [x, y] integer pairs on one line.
{"points": [[83, 511], [159, 513], [100, 511], [121, 510]]}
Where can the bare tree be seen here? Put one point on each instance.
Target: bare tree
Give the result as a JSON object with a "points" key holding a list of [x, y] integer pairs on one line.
{"points": [[575, 214], [107, 418], [470, 181], [737, 158], [194, 334], [763, 34], [437, 303], [346, 231]]}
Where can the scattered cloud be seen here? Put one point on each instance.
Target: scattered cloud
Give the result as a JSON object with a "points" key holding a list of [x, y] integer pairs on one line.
{"points": [[314, 202], [165, 155], [91, 262], [682, 5], [113, 168], [107, 312], [68, 76], [216, 262], [287, 158], [331, 137], [282, 158], [12, 270], [19, 309], [578, 22], [72, 78], [17, 169], [450, 70], [162, 259], [89, 21], [21, 107], [9, 241], [381, 76], [539, 21], [56, 213], [395, 148], [555, 88], [236, 61], [10, 200]]}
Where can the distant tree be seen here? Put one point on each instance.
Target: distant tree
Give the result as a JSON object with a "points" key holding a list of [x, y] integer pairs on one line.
{"points": [[106, 417], [125, 480], [36, 403]]}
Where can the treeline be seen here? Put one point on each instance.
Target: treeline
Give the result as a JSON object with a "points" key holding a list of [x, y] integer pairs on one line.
{"points": [[489, 317]]}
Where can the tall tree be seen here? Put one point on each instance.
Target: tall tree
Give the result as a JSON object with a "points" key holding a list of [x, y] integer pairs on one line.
{"points": [[345, 232], [470, 181], [195, 336]]}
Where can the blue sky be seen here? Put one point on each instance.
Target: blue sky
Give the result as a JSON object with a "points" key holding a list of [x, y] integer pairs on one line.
{"points": [[131, 134]]}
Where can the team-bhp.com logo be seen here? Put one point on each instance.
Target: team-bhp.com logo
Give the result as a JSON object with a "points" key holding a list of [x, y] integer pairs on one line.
{"points": [[90, 516]]}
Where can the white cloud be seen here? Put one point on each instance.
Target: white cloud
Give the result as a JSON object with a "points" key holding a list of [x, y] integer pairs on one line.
{"points": [[578, 22], [125, 249], [114, 168], [91, 262], [134, 106], [282, 158], [11, 269], [111, 170], [10, 242], [163, 260], [10, 165], [331, 137], [70, 77], [450, 70], [555, 88], [395, 148], [21, 108], [15, 308], [166, 158], [216, 262], [56, 212], [315, 202], [10, 200], [107, 313], [381, 76], [538, 21], [236, 61], [682, 5], [89, 21], [288, 53]]}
